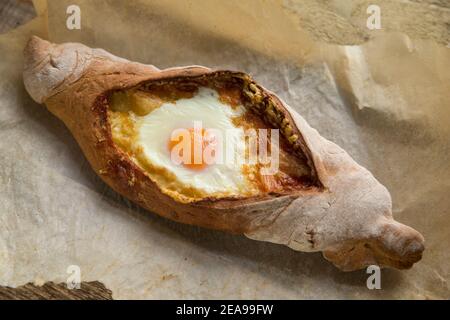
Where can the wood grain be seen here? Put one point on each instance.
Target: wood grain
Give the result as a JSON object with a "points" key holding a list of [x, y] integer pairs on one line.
{"points": [[50, 291], [14, 13]]}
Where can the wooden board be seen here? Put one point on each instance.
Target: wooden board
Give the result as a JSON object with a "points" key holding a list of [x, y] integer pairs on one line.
{"points": [[14, 13], [52, 291]]}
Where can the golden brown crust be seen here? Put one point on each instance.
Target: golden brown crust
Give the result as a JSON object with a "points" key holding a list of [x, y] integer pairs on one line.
{"points": [[346, 214]]}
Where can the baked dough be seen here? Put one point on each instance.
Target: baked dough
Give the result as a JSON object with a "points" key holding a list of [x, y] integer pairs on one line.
{"points": [[347, 214]]}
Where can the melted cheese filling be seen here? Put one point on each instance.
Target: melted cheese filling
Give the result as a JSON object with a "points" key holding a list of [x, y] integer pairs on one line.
{"points": [[142, 124]]}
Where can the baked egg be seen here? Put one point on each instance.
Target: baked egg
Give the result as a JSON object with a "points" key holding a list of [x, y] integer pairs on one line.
{"points": [[196, 139]]}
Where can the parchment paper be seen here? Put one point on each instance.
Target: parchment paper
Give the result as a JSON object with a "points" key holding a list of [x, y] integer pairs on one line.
{"points": [[386, 101]]}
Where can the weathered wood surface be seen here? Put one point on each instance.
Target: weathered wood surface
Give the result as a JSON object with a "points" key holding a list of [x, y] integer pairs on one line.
{"points": [[14, 13], [52, 291]]}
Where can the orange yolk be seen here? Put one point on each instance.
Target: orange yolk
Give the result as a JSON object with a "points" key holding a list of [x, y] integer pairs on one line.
{"points": [[198, 138]]}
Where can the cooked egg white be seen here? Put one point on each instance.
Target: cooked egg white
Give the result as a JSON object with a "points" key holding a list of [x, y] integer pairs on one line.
{"points": [[154, 131]]}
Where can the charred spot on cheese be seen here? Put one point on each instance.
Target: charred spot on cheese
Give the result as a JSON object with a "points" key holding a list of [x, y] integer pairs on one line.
{"points": [[262, 111]]}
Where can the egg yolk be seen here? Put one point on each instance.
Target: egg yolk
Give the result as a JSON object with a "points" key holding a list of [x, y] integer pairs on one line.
{"points": [[198, 140]]}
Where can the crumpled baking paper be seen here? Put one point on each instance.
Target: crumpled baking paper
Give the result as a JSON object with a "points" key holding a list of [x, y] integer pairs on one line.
{"points": [[386, 101]]}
